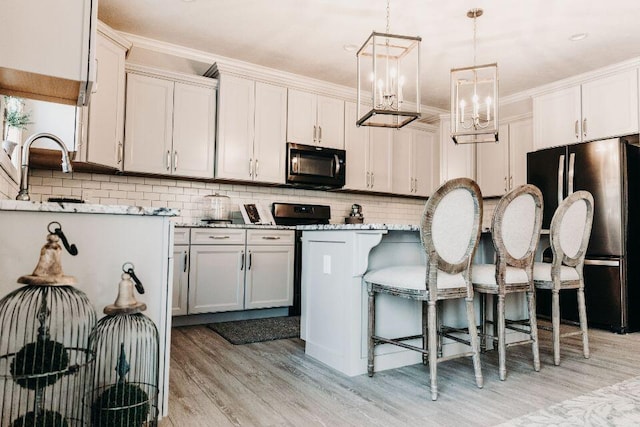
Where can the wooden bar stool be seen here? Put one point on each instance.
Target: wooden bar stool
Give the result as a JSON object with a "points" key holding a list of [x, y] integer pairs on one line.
{"points": [[450, 230], [570, 232], [515, 230]]}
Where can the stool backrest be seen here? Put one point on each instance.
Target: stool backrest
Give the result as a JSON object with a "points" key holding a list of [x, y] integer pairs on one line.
{"points": [[450, 229], [515, 228], [571, 229]]}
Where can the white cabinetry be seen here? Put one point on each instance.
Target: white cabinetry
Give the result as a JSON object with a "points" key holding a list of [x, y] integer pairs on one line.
{"points": [[415, 162], [103, 142], [180, 289], [234, 269], [456, 161], [601, 108], [369, 155], [170, 125], [251, 131], [47, 53], [315, 119], [503, 166]]}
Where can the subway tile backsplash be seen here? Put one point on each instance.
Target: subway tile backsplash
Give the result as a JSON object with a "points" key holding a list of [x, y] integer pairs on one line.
{"points": [[185, 195]]}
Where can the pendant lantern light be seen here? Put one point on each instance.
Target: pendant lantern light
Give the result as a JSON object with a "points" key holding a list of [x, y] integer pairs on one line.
{"points": [[388, 79], [474, 99]]}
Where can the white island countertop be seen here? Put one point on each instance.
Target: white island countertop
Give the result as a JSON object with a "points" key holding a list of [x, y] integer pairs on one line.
{"points": [[340, 227], [32, 206]]}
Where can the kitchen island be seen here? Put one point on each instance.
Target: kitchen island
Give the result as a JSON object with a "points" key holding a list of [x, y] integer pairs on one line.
{"points": [[334, 296], [106, 237]]}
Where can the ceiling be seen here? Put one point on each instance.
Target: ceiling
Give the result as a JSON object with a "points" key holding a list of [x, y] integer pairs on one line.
{"points": [[529, 39]]}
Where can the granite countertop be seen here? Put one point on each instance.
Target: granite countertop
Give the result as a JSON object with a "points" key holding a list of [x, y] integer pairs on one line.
{"points": [[200, 224], [339, 227], [31, 206]]}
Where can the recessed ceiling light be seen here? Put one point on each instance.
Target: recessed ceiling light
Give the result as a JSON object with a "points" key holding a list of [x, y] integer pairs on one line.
{"points": [[350, 47], [578, 36]]}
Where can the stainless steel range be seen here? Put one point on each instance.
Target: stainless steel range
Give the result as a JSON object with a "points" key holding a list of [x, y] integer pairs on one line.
{"points": [[299, 214]]}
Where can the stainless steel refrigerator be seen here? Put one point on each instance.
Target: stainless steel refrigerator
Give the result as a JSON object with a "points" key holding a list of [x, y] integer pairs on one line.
{"points": [[610, 171]]}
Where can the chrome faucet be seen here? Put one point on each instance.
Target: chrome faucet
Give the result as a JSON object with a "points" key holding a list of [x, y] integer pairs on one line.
{"points": [[24, 173]]}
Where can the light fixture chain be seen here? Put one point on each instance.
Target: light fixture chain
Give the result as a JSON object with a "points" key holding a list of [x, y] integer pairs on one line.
{"points": [[475, 16], [388, 16]]}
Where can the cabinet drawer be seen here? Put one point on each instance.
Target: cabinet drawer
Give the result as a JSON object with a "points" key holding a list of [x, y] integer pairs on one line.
{"points": [[221, 236], [181, 236], [270, 237]]}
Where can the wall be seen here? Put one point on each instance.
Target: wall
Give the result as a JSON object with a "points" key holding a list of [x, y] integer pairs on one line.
{"points": [[185, 195]]}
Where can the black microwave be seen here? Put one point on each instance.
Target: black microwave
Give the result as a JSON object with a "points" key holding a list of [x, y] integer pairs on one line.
{"points": [[315, 167]]}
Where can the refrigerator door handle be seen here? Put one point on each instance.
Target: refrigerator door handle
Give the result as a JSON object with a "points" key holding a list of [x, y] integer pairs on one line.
{"points": [[560, 178], [607, 263], [572, 164]]}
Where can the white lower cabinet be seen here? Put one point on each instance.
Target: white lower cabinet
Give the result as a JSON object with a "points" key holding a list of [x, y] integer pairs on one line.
{"points": [[236, 269], [180, 280]]}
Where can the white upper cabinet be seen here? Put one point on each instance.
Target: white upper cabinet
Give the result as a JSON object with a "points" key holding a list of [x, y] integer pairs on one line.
{"points": [[103, 142], [598, 109], [502, 167], [48, 49], [252, 131], [414, 162], [456, 161], [169, 127], [315, 119], [369, 155]]}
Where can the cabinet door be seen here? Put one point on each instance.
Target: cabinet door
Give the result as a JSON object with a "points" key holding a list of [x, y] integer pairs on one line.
{"points": [[148, 125], [234, 154], [456, 161], [425, 162], [556, 118], [216, 278], [357, 147], [520, 143], [301, 117], [106, 110], [180, 280], [269, 280], [492, 165], [270, 141], [610, 106], [402, 180], [330, 122], [380, 159], [194, 119]]}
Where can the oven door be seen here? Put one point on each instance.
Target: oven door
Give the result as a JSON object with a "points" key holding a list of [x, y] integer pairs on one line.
{"points": [[315, 167]]}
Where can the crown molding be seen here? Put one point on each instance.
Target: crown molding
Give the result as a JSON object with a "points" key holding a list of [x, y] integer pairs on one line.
{"points": [[171, 75], [114, 36]]}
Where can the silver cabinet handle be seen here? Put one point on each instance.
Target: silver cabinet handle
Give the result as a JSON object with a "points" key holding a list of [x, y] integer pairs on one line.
{"points": [[572, 163], [185, 262], [120, 150], [242, 261], [175, 160], [271, 237], [584, 127], [255, 171], [415, 185], [250, 168], [315, 131], [411, 190], [372, 179], [560, 178], [505, 184], [168, 160], [319, 133], [511, 182], [249, 266], [575, 129], [219, 237], [367, 179]]}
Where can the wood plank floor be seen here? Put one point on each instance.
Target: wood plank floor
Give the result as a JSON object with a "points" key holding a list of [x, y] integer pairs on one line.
{"points": [[214, 383]]}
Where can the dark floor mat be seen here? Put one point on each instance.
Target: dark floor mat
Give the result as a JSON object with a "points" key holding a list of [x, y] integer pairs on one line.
{"points": [[258, 330]]}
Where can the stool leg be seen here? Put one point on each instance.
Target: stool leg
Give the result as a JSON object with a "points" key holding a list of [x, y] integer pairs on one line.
{"points": [[533, 325], [555, 324], [494, 325], [582, 312], [483, 322], [475, 346], [502, 346], [425, 330], [433, 355], [371, 331]]}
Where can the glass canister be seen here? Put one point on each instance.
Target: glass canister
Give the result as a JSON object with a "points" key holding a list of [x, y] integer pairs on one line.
{"points": [[216, 207]]}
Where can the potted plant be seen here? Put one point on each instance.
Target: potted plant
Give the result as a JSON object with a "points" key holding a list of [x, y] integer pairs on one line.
{"points": [[13, 117]]}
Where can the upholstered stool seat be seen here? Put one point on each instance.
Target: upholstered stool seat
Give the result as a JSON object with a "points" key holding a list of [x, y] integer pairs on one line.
{"points": [[515, 230], [569, 236], [450, 230]]}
